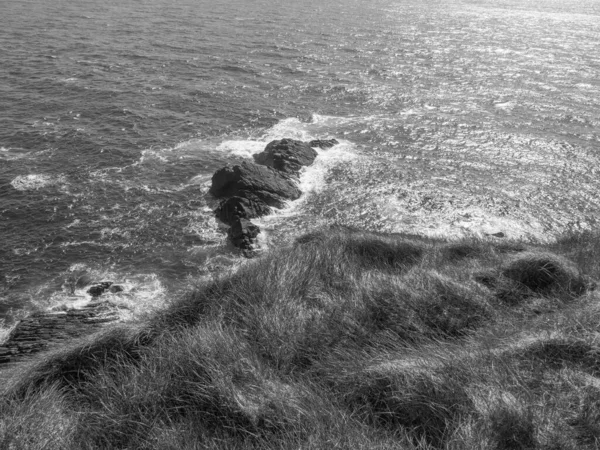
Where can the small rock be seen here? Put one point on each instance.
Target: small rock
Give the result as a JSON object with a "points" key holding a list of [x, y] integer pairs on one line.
{"points": [[323, 143], [98, 289], [116, 288]]}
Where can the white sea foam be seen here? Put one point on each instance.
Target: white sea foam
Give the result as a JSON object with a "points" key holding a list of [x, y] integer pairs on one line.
{"points": [[319, 127], [243, 148], [289, 128], [153, 156], [75, 223], [455, 223], [203, 223], [140, 292], [4, 331], [506, 106], [20, 251], [36, 181], [313, 178]]}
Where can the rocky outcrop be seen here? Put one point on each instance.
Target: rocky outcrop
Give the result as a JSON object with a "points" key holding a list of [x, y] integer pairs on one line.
{"points": [[97, 289], [286, 155], [270, 185], [251, 190], [41, 330], [245, 206], [243, 233]]}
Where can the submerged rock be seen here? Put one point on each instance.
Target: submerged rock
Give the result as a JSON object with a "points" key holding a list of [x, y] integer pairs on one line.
{"points": [[115, 288], [98, 289], [287, 155], [323, 143]]}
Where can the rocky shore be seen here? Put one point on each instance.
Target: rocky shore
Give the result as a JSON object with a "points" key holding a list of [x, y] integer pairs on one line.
{"points": [[42, 330], [248, 190], [251, 189]]}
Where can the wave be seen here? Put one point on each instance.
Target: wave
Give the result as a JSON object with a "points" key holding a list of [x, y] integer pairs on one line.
{"points": [[138, 294], [11, 153], [37, 181]]}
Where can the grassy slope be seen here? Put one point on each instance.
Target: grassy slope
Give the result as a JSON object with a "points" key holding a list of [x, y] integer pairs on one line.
{"points": [[345, 340]]}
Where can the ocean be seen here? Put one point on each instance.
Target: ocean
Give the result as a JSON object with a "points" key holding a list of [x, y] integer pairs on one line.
{"points": [[455, 118]]}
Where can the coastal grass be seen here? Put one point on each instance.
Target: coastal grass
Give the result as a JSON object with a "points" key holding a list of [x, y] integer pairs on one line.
{"points": [[345, 339]]}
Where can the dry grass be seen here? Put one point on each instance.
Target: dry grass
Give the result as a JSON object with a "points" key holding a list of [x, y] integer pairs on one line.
{"points": [[344, 340]]}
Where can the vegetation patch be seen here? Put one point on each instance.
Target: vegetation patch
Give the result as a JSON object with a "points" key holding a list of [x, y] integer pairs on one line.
{"points": [[544, 272], [345, 339]]}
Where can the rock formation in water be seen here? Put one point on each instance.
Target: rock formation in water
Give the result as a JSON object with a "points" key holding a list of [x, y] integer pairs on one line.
{"points": [[243, 233], [287, 155], [247, 206], [250, 190], [272, 186], [97, 289]]}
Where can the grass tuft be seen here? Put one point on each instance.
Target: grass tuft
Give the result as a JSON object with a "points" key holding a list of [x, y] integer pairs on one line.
{"points": [[72, 365], [375, 253], [511, 424], [543, 272], [37, 420], [460, 250]]}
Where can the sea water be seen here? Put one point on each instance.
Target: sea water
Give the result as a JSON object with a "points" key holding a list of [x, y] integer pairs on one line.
{"points": [[454, 117]]}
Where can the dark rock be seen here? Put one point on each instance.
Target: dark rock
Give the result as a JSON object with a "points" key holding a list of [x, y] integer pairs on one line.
{"points": [[245, 206], [243, 233], [99, 288], [116, 288], [274, 200], [83, 281], [265, 182], [251, 189], [45, 329], [323, 143], [287, 155]]}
